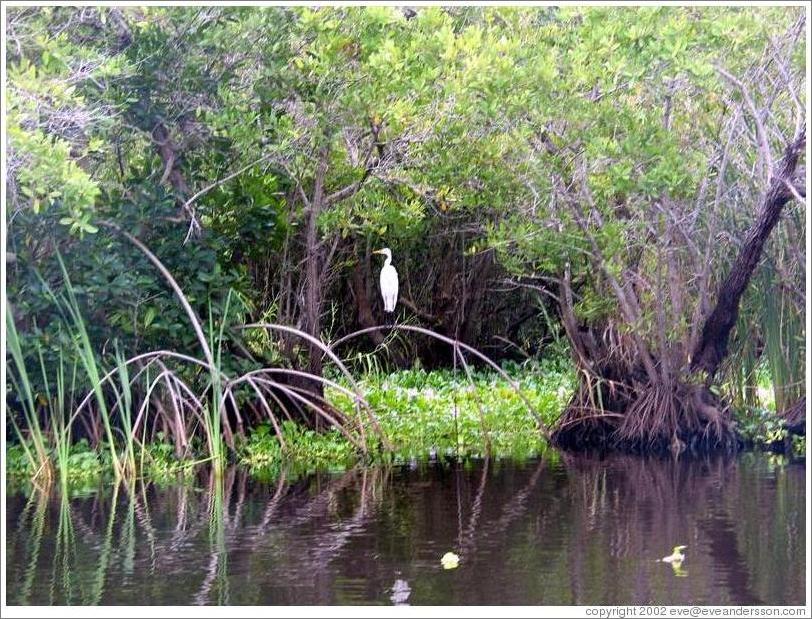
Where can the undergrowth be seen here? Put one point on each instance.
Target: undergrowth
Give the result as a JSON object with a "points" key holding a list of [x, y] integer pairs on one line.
{"points": [[423, 414], [429, 414]]}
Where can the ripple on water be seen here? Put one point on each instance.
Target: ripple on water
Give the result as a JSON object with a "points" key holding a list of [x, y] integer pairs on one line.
{"points": [[568, 529]]}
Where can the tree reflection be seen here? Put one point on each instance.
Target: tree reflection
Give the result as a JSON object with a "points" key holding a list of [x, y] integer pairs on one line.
{"points": [[562, 530]]}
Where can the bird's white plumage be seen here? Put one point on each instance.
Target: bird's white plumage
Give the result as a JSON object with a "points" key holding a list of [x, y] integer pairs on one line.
{"points": [[389, 287], [389, 282], [676, 556]]}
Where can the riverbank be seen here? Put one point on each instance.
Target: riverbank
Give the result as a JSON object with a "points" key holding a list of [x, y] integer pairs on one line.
{"points": [[423, 415]]}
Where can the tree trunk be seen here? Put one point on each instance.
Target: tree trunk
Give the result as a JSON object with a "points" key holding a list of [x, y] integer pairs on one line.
{"points": [[313, 293], [475, 297], [362, 293], [169, 154], [711, 348], [621, 404], [365, 316]]}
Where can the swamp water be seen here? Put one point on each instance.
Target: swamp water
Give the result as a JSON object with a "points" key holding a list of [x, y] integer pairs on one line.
{"points": [[561, 530]]}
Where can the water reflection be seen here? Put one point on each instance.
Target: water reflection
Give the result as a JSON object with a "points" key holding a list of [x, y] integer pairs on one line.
{"points": [[400, 593], [563, 530]]}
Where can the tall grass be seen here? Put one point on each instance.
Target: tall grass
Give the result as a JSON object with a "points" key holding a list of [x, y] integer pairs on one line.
{"points": [[784, 341], [32, 438], [59, 408], [46, 438], [216, 410], [743, 367], [49, 411], [124, 404], [68, 306]]}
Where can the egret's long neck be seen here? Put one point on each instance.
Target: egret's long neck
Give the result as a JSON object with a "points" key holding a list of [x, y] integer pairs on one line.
{"points": [[388, 261]]}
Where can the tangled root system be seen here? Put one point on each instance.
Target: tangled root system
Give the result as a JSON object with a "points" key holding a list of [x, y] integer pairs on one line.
{"points": [[617, 407], [647, 419]]}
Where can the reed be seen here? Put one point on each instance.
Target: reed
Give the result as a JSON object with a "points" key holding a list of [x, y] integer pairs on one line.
{"points": [[83, 348], [32, 437], [784, 337], [124, 405], [216, 409], [59, 404]]}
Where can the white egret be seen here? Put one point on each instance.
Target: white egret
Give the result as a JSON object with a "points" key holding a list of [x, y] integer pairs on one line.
{"points": [[389, 281]]}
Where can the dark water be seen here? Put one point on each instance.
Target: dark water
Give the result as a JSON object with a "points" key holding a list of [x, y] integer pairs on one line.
{"points": [[564, 530]]}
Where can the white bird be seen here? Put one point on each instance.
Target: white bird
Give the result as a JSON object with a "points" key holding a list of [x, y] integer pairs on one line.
{"points": [[389, 281], [677, 556]]}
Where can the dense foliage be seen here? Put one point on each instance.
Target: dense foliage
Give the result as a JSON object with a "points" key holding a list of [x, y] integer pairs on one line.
{"points": [[539, 173]]}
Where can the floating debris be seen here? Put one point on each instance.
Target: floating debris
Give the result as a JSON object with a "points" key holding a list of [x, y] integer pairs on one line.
{"points": [[678, 569], [450, 561], [676, 556]]}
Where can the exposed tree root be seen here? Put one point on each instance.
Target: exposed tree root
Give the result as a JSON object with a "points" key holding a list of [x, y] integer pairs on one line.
{"points": [[795, 417], [644, 418]]}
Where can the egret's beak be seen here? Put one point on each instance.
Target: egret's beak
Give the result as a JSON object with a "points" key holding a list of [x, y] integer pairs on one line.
{"points": [[378, 251]]}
